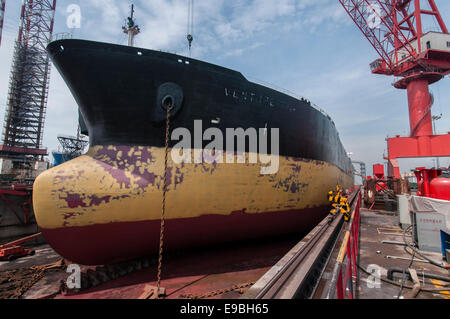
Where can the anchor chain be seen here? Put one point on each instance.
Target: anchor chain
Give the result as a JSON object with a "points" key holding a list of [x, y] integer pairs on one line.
{"points": [[163, 210], [218, 292], [99, 275], [103, 274]]}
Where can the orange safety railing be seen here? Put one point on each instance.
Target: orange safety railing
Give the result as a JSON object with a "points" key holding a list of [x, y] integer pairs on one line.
{"points": [[345, 271]]}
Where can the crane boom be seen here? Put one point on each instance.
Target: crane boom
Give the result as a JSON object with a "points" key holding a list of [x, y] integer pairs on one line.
{"points": [[375, 19], [395, 30]]}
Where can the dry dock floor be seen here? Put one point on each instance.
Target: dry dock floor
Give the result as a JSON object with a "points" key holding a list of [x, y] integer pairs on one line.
{"points": [[199, 272], [378, 226], [192, 273]]}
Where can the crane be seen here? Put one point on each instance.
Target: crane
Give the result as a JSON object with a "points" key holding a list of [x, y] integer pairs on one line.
{"points": [[2, 17], [394, 29]]}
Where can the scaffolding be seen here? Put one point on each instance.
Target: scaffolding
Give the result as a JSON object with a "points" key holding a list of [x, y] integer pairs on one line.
{"points": [[362, 170], [72, 146], [28, 86]]}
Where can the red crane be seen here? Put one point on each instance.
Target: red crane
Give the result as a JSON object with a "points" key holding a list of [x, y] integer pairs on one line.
{"points": [[394, 28]]}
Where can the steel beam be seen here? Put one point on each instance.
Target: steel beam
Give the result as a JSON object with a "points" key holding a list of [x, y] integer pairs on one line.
{"points": [[419, 146]]}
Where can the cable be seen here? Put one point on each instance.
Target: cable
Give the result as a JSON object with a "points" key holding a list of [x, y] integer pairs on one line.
{"points": [[424, 274], [402, 285], [431, 261], [409, 266], [433, 290]]}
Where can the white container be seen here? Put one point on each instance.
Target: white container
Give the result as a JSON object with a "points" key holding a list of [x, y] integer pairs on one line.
{"points": [[404, 210], [428, 228], [430, 217]]}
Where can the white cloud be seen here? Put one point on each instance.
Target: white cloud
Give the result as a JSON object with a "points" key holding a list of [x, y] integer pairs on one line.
{"points": [[244, 34]]}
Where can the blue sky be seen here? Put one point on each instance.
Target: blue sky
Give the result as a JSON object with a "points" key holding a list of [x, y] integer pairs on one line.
{"points": [[309, 47]]}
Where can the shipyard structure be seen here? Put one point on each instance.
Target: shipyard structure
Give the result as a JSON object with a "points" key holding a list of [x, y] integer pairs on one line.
{"points": [[200, 184], [21, 150]]}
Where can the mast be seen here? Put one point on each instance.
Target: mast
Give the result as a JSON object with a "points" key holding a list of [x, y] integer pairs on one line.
{"points": [[131, 28], [190, 24]]}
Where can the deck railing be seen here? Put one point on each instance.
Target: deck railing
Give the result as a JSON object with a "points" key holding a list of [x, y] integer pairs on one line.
{"points": [[345, 274]]}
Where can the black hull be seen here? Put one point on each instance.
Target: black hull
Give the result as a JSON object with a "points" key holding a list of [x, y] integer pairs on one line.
{"points": [[119, 90]]}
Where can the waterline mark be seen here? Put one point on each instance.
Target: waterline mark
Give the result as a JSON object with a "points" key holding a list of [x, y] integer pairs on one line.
{"points": [[234, 152]]}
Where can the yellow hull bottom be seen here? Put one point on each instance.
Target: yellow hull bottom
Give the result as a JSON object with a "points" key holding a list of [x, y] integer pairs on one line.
{"points": [[106, 205]]}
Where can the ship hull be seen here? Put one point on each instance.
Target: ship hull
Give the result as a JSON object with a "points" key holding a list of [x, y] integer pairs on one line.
{"points": [[105, 206]]}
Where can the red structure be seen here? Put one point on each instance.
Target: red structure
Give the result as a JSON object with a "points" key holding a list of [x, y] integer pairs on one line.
{"points": [[378, 171], [24, 191], [346, 267], [13, 250], [378, 175], [394, 28], [431, 183]]}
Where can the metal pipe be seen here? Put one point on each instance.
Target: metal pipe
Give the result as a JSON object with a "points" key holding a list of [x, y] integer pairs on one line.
{"points": [[391, 271], [392, 242], [20, 241], [405, 258]]}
